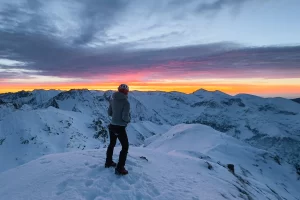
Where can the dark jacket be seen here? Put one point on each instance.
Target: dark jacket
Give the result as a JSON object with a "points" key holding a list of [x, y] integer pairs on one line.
{"points": [[119, 109]]}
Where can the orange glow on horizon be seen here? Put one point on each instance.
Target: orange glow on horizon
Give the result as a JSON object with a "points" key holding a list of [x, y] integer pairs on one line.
{"points": [[232, 89]]}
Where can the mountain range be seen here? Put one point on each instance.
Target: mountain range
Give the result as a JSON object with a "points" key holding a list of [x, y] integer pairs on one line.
{"points": [[296, 100], [187, 126]]}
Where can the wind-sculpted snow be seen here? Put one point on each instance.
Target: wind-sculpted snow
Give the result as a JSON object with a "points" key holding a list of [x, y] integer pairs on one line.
{"points": [[187, 162], [5, 109], [250, 118], [272, 124], [29, 134], [180, 146], [34, 98], [261, 172], [296, 100]]}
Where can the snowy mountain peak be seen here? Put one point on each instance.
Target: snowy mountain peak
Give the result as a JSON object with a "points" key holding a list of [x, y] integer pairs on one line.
{"points": [[210, 94], [35, 98], [296, 100], [210, 129]]}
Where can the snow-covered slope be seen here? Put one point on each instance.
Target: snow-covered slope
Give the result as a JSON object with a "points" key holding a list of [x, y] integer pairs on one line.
{"points": [[96, 103], [34, 98], [188, 162], [5, 109], [260, 136], [30, 134], [296, 100], [272, 124], [27, 134], [262, 172], [269, 123]]}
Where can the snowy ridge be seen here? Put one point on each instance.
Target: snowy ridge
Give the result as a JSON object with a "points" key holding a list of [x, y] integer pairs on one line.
{"points": [[296, 100], [28, 134], [34, 98], [193, 135], [5, 109], [172, 167], [269, 123]]}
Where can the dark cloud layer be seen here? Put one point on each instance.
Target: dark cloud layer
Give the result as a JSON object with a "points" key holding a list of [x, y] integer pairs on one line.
{"points": [[58, 59], [97, 16], [36, 42], [219, 5]]}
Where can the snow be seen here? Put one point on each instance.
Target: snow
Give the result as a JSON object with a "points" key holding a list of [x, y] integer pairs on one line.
{"points": [[42, 96], [35, 98], [174, 169], [5, 109], [59, 153], [139, 132], [202, 93], [257, 166], [81, 175], [29, 134]]}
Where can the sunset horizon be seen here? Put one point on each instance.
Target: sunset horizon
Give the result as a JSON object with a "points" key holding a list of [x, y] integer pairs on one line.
{"points": [[285, 91]]}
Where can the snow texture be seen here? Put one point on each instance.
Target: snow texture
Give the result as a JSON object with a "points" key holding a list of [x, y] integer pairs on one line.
{"points": [[52, 146], [170, 168]]}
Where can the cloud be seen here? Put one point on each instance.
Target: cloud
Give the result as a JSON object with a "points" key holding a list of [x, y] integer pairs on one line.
{"points": [[96, 16], [208, 7], [52, 58], [86, 18], [218, 5], [8, 62], [74, 39]]}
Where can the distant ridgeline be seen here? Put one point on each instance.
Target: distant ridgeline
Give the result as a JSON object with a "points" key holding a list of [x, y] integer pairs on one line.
{"points": [[296, 100], [79, 118]]}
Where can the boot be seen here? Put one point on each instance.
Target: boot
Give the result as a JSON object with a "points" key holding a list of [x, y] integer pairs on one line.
{"points": [[110, 164], [121, 171]]}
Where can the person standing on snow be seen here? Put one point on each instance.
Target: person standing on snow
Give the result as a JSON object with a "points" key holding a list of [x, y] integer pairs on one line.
{"points": [[119, 110]]}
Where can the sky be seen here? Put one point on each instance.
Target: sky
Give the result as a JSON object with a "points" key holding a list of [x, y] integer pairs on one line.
{"points": [[235, 46]]}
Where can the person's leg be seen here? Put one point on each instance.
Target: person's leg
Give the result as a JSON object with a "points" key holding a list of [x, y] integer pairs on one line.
{"points": [[122, 136], [111, 146]]}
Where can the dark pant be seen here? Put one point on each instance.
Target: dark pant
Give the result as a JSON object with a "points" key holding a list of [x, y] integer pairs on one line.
{"points": [[120, 133]]}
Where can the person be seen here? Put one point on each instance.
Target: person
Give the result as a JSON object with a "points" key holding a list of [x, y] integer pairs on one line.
{"points": [[119, 110]]}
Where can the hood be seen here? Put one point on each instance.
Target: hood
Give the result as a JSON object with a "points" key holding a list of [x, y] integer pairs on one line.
{"points": [[119, 96]]}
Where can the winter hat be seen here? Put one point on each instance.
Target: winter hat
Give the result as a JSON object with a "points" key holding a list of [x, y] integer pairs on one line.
{"points": [[124, 89]]}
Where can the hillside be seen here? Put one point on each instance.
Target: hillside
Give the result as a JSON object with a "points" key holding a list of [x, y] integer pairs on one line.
{"points": [[296, 100], [171, 167], [271, 124], [28, 134]]}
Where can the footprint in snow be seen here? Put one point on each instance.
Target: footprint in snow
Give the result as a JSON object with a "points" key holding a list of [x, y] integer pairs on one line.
{"points": [[93, 166], [61, 187], [152, 190], [106, 189], [95, 171], [122, 184], [89, 183], [133, 179], [131, 163], [45, 161], [147, 179], [140, 195]]}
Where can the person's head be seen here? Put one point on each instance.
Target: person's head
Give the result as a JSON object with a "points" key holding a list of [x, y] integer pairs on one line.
{"points": [[123, 88]]}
